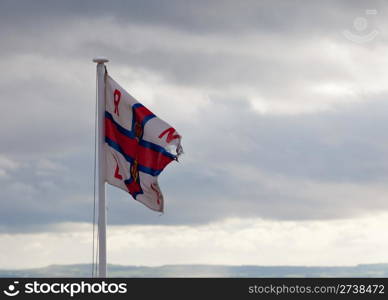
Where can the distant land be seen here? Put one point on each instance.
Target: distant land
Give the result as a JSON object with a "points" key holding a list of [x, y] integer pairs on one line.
{"points": [[84, 270]]}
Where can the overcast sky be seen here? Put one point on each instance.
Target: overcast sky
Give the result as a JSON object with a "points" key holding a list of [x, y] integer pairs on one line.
{"points": [[282, 106]]}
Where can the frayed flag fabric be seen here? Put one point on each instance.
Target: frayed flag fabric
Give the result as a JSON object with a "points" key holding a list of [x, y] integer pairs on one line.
{"points": [[138, 146]]}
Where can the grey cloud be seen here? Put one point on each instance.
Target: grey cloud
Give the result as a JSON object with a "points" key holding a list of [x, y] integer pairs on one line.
{"points": [[307, 167], [238, 163], [208, 58], [199, 16]]}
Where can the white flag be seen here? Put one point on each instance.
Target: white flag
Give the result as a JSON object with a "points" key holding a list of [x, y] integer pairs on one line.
{"points": [[137, 145]]}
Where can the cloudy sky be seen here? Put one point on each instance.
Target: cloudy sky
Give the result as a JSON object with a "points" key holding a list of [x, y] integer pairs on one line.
{"points": [[283, 110]]}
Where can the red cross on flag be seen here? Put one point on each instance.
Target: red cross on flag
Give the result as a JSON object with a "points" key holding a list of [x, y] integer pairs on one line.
{"points": [[138, 146]]}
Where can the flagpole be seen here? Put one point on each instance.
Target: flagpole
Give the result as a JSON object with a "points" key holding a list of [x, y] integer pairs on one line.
{"points": [[101, 166]]}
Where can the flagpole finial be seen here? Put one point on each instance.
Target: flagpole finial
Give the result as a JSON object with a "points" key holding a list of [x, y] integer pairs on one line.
{"points": [[100, 60]]}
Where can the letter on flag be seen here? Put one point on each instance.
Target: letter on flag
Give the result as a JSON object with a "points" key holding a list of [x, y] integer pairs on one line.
{"points": [[138, 146]]}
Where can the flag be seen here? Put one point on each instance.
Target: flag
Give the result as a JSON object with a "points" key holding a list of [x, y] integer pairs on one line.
{"points": [[138, 146]]}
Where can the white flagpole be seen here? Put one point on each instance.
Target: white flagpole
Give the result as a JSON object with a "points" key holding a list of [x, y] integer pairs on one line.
{"points": [[101, 166]]}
